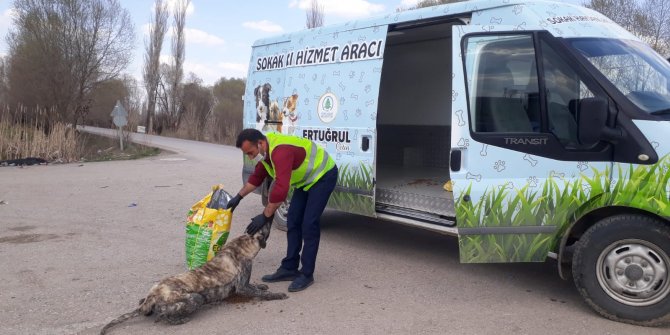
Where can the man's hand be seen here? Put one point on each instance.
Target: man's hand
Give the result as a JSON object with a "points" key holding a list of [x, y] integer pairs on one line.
{"points": [[234, 202], [257, 223]]}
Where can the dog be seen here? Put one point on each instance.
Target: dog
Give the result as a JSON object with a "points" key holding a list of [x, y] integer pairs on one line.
{"points": [[275, 116], [175, 298], [289, 116], [262, 94]]}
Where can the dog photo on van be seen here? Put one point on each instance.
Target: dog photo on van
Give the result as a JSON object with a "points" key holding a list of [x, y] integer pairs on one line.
{"points": [[262, 94], [289, 115]]}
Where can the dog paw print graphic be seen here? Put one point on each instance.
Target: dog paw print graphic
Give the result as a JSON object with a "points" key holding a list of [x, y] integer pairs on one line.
{"points": [[582, 166], [532, 181], [499, 166]]}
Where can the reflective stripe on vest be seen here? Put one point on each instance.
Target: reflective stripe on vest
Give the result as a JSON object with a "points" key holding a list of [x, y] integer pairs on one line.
{"points": [[317, 161]]}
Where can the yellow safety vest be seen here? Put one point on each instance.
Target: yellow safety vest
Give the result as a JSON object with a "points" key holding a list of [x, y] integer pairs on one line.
{"points": [[317, 161]]}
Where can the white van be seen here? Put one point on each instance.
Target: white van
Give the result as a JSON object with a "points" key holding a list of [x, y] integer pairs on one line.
{"points": [[529, 129]]}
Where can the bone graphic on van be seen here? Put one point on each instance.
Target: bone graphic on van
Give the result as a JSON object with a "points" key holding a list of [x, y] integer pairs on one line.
{"points": [[359, 112], [517, 9], [353, 96], [454, 95], [499, 166], [346, 117], [554, 174], [377, 70], [485, 148], [368, 88], [342, 87], [477, 177], [360, 80], [306, 87], [352, 74], [530, 159], [507, 186], [336, 73], [496, 20], [369, 103], [522, 26], [655, 144], [323, 79], [461, 119]]}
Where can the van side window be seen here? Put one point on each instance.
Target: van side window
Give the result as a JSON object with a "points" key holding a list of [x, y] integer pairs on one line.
{"points": [[563, 89], [503, 84]]}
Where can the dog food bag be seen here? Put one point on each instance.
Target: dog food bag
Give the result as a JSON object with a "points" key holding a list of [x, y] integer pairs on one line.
{"points": [[207, 227]]}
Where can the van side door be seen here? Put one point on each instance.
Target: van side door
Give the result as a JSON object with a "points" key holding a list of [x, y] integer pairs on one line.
{"points": [[523, 172]]}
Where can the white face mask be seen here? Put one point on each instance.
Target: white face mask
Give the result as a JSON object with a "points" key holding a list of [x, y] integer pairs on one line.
{"points": [[259, 157]]}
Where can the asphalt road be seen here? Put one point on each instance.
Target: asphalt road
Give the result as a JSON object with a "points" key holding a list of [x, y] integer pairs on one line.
{"points": [[80, 244]]}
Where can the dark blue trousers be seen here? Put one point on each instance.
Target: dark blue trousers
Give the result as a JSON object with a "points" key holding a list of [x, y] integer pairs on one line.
{"points": [[303, 223]]}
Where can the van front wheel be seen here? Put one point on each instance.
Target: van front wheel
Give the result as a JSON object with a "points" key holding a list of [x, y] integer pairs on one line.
{"points": [[621, 267]]}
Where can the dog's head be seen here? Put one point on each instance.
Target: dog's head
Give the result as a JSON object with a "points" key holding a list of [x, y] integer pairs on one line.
{"points": [[263, 234], [262, 94], [289, 105]]}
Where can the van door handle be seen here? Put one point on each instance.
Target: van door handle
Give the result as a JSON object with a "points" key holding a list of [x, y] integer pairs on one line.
{"points": [[365, 143], [455, 160]]}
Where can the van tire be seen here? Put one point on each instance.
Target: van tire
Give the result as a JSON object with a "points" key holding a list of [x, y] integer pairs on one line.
{"points": [[618, 251], [280, 216]]}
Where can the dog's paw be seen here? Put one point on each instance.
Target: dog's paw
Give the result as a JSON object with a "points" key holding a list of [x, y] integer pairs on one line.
{"points": [[261, 287], [282, 296]]}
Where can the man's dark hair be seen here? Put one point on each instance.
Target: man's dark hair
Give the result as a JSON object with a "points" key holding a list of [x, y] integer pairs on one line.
{"points": [[249, 134]]}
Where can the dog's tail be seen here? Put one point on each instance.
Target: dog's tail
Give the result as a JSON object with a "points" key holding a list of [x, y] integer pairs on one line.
{"points": [[120, 319]]}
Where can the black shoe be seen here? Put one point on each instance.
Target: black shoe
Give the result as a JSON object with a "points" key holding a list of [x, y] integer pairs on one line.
{"points": [[280, 275], [301, 283]]}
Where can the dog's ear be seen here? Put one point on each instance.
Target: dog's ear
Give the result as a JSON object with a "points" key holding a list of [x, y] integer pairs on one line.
{"points": [[256, 90]]}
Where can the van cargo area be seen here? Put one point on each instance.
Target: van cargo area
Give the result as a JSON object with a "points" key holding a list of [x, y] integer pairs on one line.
{"points": [[414, 124]]}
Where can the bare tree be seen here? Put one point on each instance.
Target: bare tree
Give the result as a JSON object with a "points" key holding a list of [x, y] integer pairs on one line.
{"points": [[61, 50], [315, 15], [657, 14], [178, 55], [151, 71], [649, 20]]}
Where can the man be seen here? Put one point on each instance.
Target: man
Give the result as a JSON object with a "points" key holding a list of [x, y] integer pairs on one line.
{"points": [[297, 162]]}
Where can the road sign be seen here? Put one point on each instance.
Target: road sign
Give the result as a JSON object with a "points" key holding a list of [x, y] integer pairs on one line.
{"points": [[119, 115], [120, 119]]}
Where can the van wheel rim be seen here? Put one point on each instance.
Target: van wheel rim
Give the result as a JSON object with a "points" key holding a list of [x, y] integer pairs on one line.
{"points": [[634, 272]]}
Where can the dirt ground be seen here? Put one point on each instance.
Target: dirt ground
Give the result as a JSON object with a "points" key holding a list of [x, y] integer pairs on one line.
{"points": [[81, 243]]}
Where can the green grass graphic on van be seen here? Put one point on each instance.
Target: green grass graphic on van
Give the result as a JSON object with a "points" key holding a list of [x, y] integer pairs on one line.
{"points": [[356, 196], [558, 203]]}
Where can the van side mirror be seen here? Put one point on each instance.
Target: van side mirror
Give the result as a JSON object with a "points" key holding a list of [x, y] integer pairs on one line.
{"points": [[593, 123], [592, 114]]}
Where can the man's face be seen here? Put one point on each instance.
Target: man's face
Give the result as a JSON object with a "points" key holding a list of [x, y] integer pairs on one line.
{"points": [[251, 150]]}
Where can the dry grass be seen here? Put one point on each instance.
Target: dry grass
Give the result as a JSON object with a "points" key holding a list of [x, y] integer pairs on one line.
{"points": [[27, 133]]}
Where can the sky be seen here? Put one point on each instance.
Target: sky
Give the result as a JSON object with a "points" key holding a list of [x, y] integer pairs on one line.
{"points": [[219, 33]]}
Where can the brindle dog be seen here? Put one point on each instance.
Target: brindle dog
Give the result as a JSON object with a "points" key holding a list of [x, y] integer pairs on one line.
{"points": [[174, 298]]}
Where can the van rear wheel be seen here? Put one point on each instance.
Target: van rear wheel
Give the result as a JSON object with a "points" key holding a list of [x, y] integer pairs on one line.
{"points": [[621, 267], [281, 216]]}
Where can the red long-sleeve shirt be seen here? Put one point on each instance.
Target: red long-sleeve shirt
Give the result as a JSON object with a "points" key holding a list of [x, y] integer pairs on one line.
{"points": [[286, 158]]}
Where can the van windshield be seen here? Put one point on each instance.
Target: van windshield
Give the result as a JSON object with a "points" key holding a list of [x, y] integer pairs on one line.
{"points": [[637, 70]]}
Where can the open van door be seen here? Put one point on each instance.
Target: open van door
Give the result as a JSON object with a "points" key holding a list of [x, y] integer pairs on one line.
{"points": [[516, 159]]}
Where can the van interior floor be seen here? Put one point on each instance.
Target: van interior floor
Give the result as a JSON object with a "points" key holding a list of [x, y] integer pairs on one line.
{"points": [[418, 188]]}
